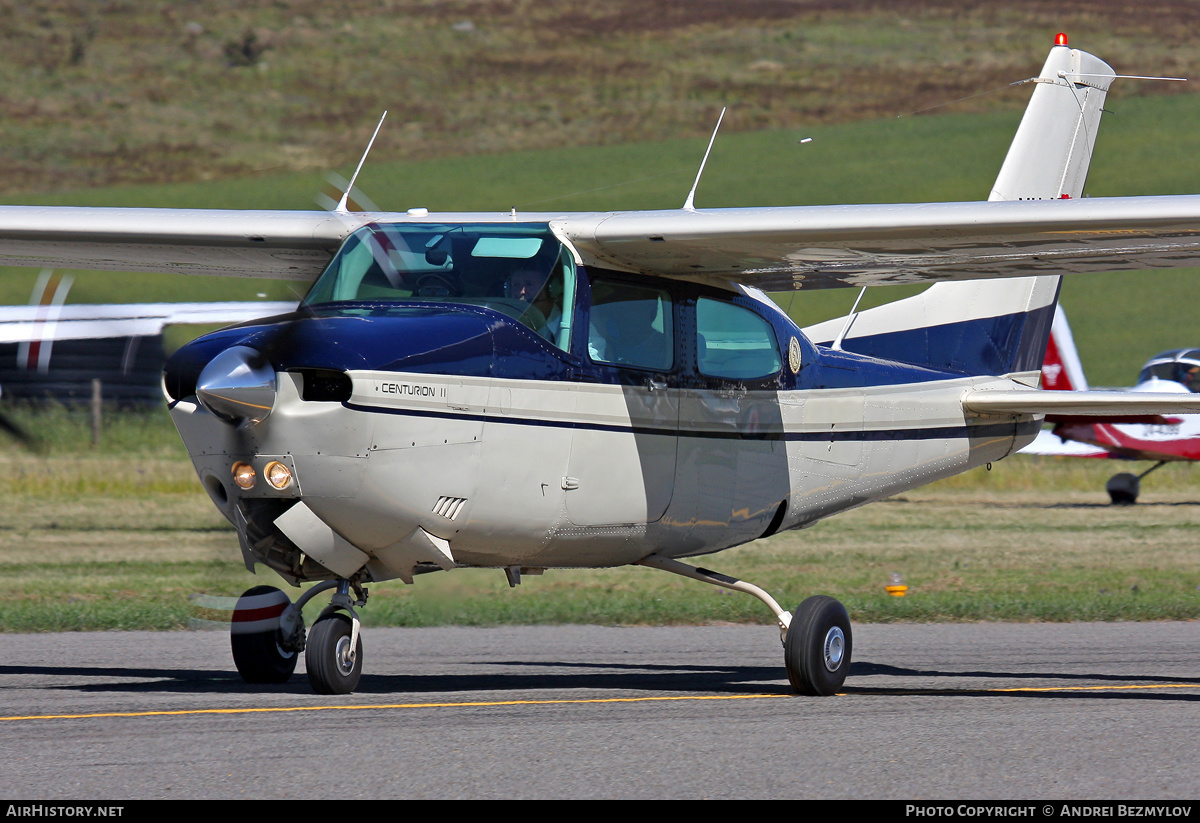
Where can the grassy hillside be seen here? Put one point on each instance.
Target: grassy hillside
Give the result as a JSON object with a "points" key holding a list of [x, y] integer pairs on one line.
{"points": [[129, 92]]}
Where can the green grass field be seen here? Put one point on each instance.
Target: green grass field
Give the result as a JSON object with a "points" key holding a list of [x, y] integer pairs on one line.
{"points": [[132, 93]]}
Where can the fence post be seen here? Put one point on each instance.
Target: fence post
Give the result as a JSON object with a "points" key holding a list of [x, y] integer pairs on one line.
{"points": [[95, 411]]}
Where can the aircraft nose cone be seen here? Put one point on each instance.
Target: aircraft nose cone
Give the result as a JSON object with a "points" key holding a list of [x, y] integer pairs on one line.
{"points": [[238, 384]]}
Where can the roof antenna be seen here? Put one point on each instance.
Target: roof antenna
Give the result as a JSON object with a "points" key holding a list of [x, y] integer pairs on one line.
{"points": [[688, 206], [341, 206], [837, 343]]}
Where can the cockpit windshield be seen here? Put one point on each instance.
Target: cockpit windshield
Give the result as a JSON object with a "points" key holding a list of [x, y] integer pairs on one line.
{"points": [[1181, 366], [520, 270]]}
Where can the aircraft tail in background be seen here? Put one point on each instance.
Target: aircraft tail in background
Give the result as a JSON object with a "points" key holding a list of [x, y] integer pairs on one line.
{"points": [[1062, 369], [999, 326]]}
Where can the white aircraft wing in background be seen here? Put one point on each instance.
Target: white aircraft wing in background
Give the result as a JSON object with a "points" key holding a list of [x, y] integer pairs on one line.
{"points": [[81, 321]]}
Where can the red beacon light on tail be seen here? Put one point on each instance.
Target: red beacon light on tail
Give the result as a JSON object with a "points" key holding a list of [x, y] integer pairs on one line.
{"points": [[1060, 39]]}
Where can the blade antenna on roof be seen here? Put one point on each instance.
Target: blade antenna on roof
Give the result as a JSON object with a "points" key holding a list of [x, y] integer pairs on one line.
{"points": [[688, 205], [341, 206]]}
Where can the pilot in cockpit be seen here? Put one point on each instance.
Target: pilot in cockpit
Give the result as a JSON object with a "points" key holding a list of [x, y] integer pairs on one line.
{"points": [[530, 286], [1190, 377]]}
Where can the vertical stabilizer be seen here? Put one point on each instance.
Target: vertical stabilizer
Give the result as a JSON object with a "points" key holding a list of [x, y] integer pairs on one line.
{"points": [[999, 326], [1052, 149], [1062, 369]]}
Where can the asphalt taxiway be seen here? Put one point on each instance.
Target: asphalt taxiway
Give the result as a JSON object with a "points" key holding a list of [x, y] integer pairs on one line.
{"points": [[1003, 711]]}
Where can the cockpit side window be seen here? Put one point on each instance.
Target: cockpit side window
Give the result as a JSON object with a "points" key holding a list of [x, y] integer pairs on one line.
{"points": [[519, 270], [1184, 372]]}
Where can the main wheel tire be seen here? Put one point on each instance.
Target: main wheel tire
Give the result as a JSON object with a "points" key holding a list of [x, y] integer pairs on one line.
{"points": [[254, 637], [1123, 489], [817, 649], [331, 669]]}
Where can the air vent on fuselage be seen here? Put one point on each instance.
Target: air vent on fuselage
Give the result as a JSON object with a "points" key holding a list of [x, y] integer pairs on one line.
{"points": [[449, 507], [325, 385]]}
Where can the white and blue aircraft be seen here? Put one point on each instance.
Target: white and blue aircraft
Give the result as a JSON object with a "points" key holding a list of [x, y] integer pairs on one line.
{"points": [[562, 390]]}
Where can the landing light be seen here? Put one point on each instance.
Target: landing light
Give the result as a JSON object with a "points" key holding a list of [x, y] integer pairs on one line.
{"points": [[278, 475], [243, 475]]}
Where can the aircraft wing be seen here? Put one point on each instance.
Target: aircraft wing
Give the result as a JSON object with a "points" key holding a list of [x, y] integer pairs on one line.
{"points": [[799, 247], [81, 321], [1089, 403], [779, 249], [279, 244]]}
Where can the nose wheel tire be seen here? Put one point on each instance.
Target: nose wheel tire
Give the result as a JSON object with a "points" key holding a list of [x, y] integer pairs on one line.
{"points": [[1123, 489], [255, 640], [817, 648], [333, 667]]}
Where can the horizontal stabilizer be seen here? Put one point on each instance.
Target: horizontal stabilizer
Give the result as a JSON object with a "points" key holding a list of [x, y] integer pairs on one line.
{"points": [[1091, 403]]}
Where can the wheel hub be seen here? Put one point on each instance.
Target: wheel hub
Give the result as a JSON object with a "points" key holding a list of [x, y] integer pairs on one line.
{"points": [[344, 656], [835, 648]]}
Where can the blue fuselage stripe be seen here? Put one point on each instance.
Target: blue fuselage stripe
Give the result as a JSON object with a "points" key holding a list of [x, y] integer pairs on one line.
{"points": [[991, 345], [982, 430]]}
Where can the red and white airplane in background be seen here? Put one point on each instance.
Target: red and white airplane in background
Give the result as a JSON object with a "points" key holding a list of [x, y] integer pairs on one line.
{"points": [[1145, 437]]}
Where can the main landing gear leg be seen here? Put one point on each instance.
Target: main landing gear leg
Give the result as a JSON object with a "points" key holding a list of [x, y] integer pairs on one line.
{"points": [[817, 641]]}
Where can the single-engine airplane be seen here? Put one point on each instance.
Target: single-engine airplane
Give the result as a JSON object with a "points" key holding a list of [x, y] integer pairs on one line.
{"points": [[1137, 437], [642, 401]]}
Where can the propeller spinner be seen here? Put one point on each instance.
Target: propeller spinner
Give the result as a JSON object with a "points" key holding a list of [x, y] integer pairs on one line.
{"points": [[238, 385]]}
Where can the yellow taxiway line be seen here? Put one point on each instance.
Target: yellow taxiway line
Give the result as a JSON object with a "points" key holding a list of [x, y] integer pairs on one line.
{"points": [[494, 703]]}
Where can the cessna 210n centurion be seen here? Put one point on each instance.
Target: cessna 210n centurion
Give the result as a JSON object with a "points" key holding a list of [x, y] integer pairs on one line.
{"points": [[560, 390]]}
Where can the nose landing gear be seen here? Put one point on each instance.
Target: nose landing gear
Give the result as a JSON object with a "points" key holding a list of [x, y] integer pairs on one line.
{"points": [[334, 656], [267, 634]]}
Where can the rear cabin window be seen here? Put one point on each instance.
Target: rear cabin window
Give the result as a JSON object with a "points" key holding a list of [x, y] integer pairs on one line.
{"points": [[733, 342]]}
